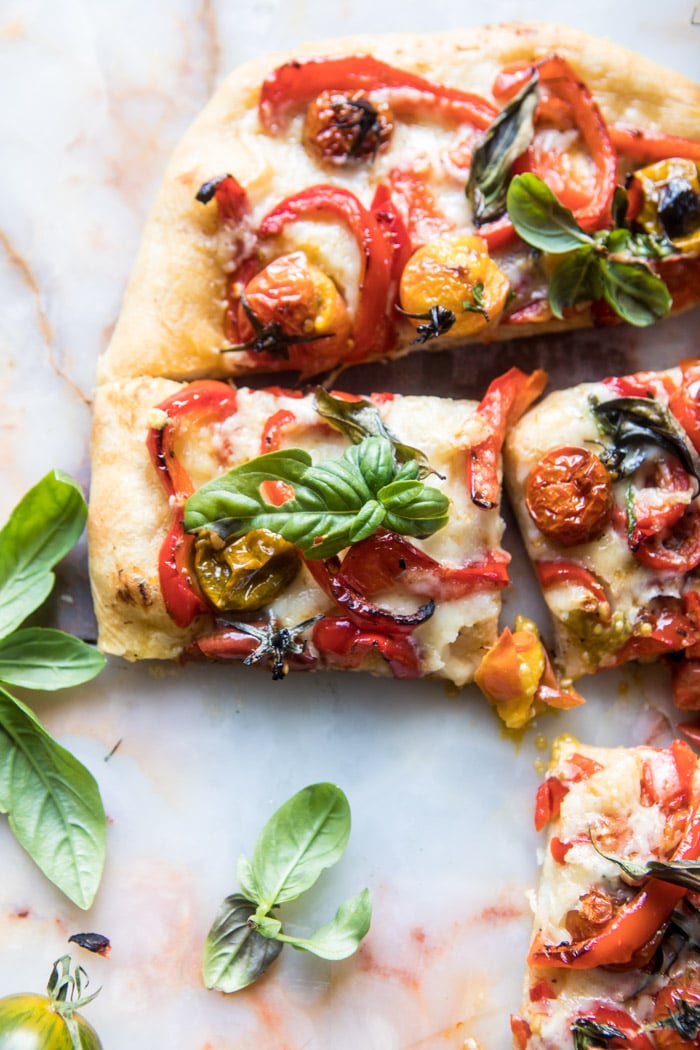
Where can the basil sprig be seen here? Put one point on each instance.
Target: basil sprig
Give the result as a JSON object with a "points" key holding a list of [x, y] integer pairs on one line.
{"points": [[305, 836], [336, 502], [360, 419], [502, 143], [52, 801], [607, 265]]}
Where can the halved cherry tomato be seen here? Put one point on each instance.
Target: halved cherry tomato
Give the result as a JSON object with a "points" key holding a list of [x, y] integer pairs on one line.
{"points": [[658, 502], [632, 1038], [674, 549], [342, 643], [684, 988], [569, 495]]}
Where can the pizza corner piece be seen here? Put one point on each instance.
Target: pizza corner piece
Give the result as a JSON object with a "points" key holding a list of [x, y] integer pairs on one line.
{"points": [[614, 958], [604, 480], [300, 531], [378, 195]]}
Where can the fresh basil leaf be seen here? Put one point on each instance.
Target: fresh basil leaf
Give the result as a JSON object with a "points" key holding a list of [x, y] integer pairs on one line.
{"points": [[635, 422], [54, 805], [244, 874], [502, 143], [340, 937], [334, 503], [42, 658], [235, 954], [636, 294], [360, 419], [540, 219], [43, 527], [574, 281], [304, 837]]}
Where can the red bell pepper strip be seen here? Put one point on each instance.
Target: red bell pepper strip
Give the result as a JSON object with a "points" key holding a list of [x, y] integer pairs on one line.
{"points": [[671, 632], [633, 924], [641, 384], [199, 403], [684, 402], [341, 643], [228, 643], [231, 199], [425, 221], [375, 255], [643, 146], [297, 83], [389, 218], [504, 402], [385, 559], [552, 573], [276, 492], [521, 1031], [548, 801], [357, 608]]}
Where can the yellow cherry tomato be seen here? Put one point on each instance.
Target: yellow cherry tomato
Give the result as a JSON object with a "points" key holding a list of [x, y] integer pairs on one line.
{"points": [[245, 574], [510, 673], [455, 272], [670, 201]]}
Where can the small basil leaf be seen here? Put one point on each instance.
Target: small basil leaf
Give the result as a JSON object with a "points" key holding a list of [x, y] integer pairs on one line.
{"points": [[54, 805], [340, 937], [43, 527], [42, 658], [360, 419], [235, 954], [574, 281], [540, 219], [419, 515], [367, 521], [244, 874], [636, 294], [502, 143], [304, 837], [375, 461]]}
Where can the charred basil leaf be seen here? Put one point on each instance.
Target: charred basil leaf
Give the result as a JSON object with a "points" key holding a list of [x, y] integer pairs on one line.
{"points": [[502, 143], [358, 420], [635, 423], [589, 1033], [685, 1020]]}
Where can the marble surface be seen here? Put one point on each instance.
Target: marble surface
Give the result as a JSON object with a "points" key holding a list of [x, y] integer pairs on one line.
{"points": [[98, 93]]}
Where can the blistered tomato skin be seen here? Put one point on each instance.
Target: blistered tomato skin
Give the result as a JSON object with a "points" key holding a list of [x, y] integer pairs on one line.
{"points": [[245, 574], [30, 1022], [569, 496], [344, 127], [682, 989]]}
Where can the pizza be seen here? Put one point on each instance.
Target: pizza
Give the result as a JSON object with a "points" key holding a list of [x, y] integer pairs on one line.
{"points": [[614, 959], [603, 478], [369, 196], [300, 530]]}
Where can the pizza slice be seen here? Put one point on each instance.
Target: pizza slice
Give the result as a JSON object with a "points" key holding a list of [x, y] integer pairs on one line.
{"points": [[300, 531], [604, 479], [614, 959], [376, 195]]}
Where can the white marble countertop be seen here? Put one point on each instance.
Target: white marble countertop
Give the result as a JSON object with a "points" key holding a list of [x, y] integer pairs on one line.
{"points": [[96, 96]]}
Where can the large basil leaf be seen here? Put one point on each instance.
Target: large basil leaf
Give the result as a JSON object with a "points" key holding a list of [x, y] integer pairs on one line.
{"points": [[235, 954], [360, 419], [636, 294], [304, 837], [340, 937], [43, 527], [575, 280], [54, 805], [502, 143], [337, 502], [637, 425], [540, 219], [42, 658]]}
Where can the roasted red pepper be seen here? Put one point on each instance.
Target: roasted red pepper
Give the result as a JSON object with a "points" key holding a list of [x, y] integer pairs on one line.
{"points": [[643, 146], [670, 630], [552, 573], [389, 218], [676, 549], [293, 85], [425, 221], [371, 323], [684, 402], [276, 492], [229, 643], [231, 199], [199, 403], [342, 643], [504, 402], [686, 691], [634, 923], [548, 801]]}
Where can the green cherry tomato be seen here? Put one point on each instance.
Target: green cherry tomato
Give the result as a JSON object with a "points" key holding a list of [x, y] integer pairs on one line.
{"points": [[31, 1022]]}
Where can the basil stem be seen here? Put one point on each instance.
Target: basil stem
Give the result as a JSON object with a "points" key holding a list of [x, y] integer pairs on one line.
{"points": [[336, 502], [502, 143]]}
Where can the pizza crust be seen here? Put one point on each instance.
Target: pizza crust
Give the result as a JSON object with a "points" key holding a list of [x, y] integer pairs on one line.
{"points": [[170, 324]]}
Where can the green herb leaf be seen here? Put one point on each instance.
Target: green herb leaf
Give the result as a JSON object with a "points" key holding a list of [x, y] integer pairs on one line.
{"points": [[684, 1019], [336, 502], [340, 937], [636, 294], [502, 143], [540, 219], [678, 872], [358, 420], [235, 954], [637, 425], [575, 280], [477, 304], [589, 1033], [42, 658], [53, 802], [42, 528], [304, 837]]}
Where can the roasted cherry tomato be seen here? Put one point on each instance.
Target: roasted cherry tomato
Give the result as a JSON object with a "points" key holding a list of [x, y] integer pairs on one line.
{"points": [[666, 198], [456, 273], [632, 1038], [569, 495], [245, 574], [41, 1022], [682, 989], [341, 127]]}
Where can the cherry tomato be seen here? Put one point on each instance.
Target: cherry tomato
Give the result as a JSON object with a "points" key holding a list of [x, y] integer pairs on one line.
{"points": [[342, 127], [632, 1037], [675, 549], [245, 574], [684, 988], [569, 495], [31, 1022]]}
